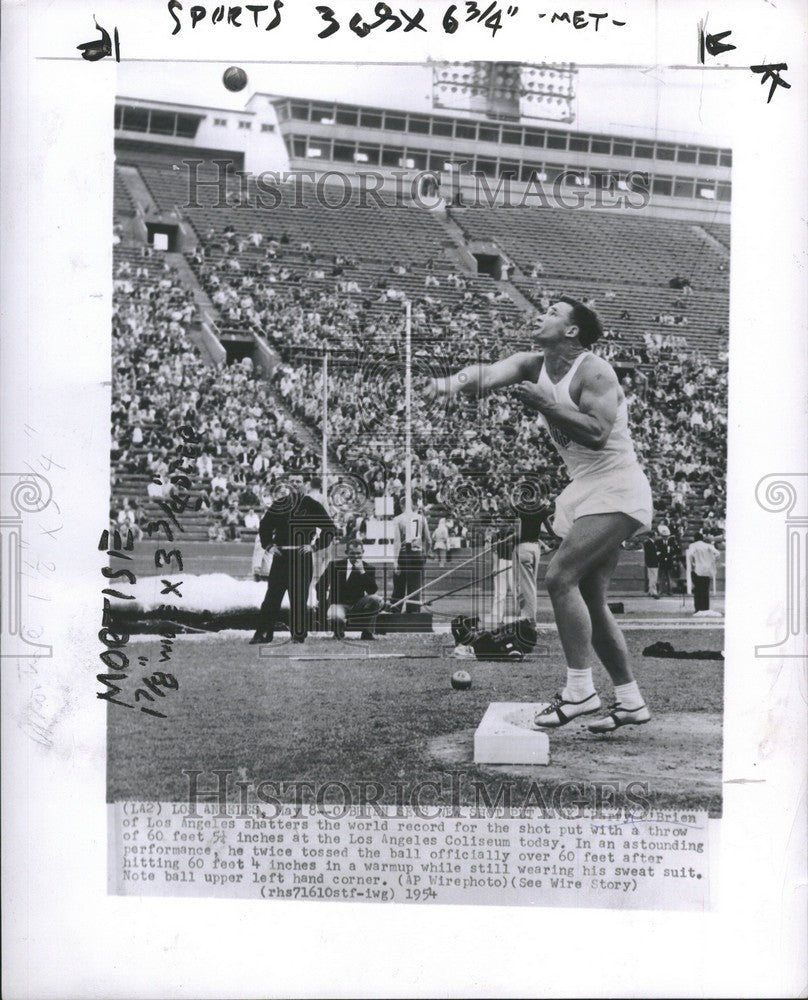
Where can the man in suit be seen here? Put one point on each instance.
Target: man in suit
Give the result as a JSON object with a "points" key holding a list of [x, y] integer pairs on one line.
{"points": [[651, 556], [352, 592], [293, 528], [670, 557]]}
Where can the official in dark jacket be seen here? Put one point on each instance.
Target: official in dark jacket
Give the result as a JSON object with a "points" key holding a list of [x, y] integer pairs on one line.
{"points": [[289, 530], [352, 593], [669, 553]]}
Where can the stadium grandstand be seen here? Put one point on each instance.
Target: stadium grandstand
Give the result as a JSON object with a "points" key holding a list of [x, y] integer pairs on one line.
{"points": [[248, 244]]}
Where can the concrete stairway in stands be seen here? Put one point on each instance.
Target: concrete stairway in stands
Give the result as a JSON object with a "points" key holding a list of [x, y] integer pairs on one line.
{"points": [[457, 244], [465, 257], [205, 343], [208, 314], [711, 241], [138, 192]]}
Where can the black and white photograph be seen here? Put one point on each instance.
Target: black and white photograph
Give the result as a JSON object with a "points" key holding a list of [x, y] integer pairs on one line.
{"points": [[431, 400], [399, 458]]}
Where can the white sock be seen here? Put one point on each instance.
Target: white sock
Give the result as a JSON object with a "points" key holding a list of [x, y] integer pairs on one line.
{"points": [[579, 684], [628, 695]]}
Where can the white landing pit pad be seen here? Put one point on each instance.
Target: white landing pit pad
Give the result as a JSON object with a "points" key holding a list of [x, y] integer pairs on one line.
{"points": [[506, 735]]}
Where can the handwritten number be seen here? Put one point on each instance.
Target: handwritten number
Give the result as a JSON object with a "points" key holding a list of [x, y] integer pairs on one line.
{"points": [[358, 26], [163, 558], [493, 22], [384, 13], [327, 14], [101, 47]]}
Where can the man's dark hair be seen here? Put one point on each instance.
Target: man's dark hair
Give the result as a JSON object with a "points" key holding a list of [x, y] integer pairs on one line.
{"points": [[589, 326], [698, 537]]}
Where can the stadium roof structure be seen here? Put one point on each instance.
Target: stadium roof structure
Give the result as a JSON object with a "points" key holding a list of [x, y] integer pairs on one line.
{"points": [[468, 150], [527, 124], [683, 180], [186, 109]]}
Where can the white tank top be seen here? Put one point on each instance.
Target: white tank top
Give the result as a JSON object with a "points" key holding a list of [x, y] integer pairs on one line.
{"points": [[617, 453]]}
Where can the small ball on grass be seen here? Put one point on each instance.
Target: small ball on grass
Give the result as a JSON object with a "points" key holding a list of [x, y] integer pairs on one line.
{"points": [[461, 680]]}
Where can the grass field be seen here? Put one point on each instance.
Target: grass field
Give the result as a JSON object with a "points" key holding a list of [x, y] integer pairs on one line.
{"points": [[390, 720]]}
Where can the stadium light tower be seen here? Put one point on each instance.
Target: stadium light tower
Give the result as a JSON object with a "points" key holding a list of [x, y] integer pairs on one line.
{"points": [[507, 89]]}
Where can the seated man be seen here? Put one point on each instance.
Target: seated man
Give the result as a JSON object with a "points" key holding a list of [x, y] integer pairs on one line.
{"points": [[352, 593]]}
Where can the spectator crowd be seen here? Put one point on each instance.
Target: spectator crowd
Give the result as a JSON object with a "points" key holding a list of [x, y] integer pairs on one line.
{"points": [[467, 456], [161, 383]]}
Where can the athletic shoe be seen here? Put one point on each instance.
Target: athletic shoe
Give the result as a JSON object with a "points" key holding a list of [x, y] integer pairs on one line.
{"points": [[560, 711], [619, 716], [260, 638], [339, 629], [298, 638], [368, 635], [463, 653]]}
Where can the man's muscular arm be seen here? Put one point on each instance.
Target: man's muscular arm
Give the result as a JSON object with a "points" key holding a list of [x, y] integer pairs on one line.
{"points": [[592, 423], [475, 380]]}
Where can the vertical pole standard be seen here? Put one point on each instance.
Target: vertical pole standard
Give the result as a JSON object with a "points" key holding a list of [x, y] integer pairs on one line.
{"points": [[408, 407], [324, 461]]}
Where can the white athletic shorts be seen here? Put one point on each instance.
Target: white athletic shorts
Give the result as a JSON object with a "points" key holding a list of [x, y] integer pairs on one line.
{"points": [[625, 491]]}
